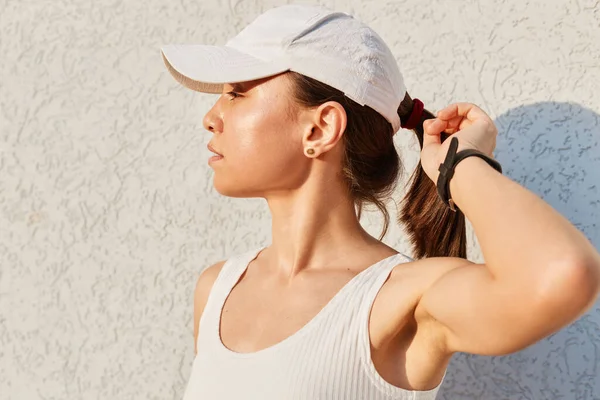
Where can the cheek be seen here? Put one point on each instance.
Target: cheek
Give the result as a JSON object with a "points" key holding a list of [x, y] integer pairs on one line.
{"points": [[261, 140], [263, 154]]}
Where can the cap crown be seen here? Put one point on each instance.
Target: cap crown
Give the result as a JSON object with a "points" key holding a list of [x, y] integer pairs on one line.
{"points": [[331, 47]]}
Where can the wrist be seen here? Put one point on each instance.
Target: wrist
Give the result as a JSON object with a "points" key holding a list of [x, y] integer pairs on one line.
{"points": [[467, 173]]}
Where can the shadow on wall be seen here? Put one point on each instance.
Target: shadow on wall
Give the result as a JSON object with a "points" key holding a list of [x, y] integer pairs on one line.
{"points": [[553, 149]]}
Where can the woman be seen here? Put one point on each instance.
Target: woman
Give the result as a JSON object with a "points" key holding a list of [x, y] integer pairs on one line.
{"points": [[310, 101]]}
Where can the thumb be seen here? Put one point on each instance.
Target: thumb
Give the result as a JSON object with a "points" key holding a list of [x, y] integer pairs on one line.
{"points": [[432, 142]]}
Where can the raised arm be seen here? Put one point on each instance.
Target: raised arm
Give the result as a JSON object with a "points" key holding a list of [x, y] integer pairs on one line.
{"points": [[540, 272]]}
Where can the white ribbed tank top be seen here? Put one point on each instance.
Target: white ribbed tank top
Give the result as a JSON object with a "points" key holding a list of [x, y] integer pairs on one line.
{"points": [[329, 358]]}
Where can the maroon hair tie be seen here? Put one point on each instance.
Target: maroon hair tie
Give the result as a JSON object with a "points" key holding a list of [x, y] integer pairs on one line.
{"points": [[415, 115]]}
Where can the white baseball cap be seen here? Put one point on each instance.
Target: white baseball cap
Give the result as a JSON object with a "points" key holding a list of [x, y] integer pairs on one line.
{"points": [[331, 47]]}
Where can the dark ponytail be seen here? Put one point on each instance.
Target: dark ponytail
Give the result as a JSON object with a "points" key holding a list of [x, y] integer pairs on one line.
{"points": [[434, 230], [371, 167]]}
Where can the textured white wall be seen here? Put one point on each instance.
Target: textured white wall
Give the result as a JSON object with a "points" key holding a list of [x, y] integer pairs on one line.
{"points": [[107, 212]]}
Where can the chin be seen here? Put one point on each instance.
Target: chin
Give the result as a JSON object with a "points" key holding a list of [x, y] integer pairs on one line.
{"points": [[233, 189]]}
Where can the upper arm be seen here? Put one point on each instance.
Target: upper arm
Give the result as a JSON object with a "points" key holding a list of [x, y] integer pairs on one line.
{"points": [[203, 286], [476, 313]]}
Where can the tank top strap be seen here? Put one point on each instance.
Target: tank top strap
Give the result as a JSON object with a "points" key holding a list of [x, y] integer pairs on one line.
{"points": [[232, 270], [230, 273], [377, 279]]}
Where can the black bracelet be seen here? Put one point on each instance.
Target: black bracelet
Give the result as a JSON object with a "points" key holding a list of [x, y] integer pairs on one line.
{"points": [[447, 170]]}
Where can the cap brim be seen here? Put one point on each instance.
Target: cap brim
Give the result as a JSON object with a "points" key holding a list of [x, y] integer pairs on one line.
{"points": [[206, 68]]}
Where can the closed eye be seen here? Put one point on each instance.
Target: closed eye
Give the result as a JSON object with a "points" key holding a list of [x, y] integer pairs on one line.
{"points": [[233, 95]]}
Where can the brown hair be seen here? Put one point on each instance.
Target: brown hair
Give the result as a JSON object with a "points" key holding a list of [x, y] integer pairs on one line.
{"points": [[371, 167]]}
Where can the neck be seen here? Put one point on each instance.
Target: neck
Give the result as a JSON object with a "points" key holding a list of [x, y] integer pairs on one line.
{"points": [[314, 227]]}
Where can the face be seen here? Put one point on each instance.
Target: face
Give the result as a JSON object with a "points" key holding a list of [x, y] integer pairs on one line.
{"points": [[258, 129]]}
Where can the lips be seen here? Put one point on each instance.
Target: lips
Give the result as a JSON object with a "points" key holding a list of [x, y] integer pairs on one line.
{"points": [[213, 150]]}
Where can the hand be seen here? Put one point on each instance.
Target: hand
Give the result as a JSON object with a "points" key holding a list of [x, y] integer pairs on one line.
{"points": [[473, 128]]}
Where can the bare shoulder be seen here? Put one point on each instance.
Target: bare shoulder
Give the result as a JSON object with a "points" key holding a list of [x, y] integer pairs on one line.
{"points": [[409, 282], [424, 277], [426, 271], [398, 316], [399, 325], [204, 284], [441, 265], [401, 294], [206, 279]]}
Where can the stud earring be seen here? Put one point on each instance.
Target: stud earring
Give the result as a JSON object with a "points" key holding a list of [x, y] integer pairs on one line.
{"points": [[310, 151]]}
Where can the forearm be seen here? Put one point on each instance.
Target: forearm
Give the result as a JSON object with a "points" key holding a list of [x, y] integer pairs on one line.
{"points": [[520, 235]]}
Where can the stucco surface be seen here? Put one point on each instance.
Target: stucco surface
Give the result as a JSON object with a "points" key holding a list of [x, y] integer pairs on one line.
{"points": [[107, 211]]}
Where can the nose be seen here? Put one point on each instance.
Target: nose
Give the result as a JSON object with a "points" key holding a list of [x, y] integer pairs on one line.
{"points": [[213, 120]]}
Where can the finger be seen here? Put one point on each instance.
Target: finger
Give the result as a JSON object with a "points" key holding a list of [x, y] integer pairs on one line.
{"points": [[432, 129], [457, 123], [482, 125], [465, 110]]}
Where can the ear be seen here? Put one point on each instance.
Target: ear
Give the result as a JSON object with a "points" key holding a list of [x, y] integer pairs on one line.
{"points": [[329, 122]]}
